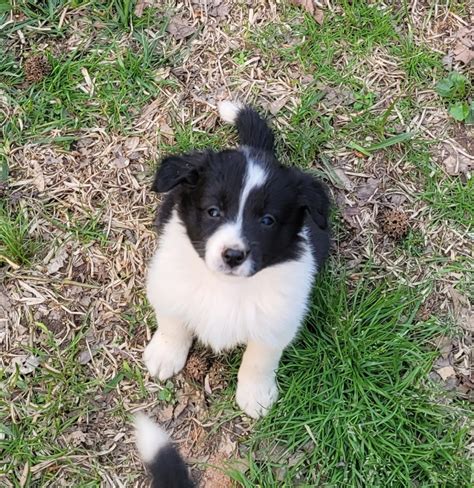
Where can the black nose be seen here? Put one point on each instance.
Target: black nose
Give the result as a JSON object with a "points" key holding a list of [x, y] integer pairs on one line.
{"points": [[234, 257]]}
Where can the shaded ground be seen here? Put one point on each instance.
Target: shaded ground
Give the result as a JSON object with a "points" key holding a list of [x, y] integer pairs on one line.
{"points": [[89, 104]]}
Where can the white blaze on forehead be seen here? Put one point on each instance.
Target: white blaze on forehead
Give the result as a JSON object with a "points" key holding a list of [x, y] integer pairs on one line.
{"points": [[254, 178], [229, 235]]}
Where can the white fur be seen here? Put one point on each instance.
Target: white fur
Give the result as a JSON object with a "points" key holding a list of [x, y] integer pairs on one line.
{"points": [[150, 437], [229, 236], [167, 352], [229, 111], [224, 311], [256, 388], [263, 311], [255, 177]]}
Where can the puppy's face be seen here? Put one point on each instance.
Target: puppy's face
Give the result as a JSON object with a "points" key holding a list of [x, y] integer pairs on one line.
{"points": [[242, 210]]}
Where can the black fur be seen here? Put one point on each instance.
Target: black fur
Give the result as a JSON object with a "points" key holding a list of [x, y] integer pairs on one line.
{"points": [[198, 181], [254, 131], [168, 470]]}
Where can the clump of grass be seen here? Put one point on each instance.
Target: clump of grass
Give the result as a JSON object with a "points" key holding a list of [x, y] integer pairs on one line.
{"points": [[16, 244], [354, 400], [456, 89], [57, 397]]}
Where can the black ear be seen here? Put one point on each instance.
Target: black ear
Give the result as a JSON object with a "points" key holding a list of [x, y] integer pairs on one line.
{"points": [[313, 197], [175, 170]]}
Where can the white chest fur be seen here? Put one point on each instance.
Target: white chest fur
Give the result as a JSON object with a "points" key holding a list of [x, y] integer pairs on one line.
{"points": [[224, 311]]}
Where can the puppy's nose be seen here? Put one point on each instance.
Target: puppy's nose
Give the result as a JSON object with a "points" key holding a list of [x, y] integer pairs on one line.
{"points": [[234, 257]]}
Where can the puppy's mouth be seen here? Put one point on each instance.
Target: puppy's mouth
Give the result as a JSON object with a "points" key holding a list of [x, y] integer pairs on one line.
{"points": [[245, 270]]}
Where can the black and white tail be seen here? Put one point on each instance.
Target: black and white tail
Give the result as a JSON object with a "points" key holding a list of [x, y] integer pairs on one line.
{"points": [[166, 466], [253, 130]]}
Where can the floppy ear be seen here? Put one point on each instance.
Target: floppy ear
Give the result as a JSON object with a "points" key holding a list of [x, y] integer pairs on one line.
{"points": [[314, 199], [175, 170]]}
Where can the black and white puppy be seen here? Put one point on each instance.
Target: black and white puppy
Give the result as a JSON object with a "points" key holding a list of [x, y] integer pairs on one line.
{"points": [[241, 238]]}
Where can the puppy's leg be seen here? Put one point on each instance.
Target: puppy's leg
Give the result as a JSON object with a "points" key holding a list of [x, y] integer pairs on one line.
{"points": [[256, 386], [167, 351]]}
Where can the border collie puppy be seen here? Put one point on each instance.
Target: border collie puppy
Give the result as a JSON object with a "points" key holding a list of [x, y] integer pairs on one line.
{"points": [[164, 462], [241, 238]]}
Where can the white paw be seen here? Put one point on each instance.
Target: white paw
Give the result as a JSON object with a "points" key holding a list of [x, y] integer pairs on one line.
{"points": [[256, 396], [164, 358]]}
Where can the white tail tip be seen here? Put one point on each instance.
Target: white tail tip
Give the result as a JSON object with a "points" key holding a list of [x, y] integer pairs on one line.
{"points": [[150, 437], [229, 111]]}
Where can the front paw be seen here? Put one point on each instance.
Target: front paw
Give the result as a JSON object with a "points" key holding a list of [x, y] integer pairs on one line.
{"points": [[164, 358], [255, 396]]}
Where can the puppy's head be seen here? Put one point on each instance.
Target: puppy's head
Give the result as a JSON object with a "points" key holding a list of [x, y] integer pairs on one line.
{"points": [[242, 210]]}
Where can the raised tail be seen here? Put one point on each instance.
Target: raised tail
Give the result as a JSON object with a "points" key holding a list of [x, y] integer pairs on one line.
{"points": [[253, 130], [166, 466]]}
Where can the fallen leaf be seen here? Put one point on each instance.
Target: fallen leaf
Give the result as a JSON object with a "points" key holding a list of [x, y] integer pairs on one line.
{"points": [[460, 302], [464, 48], [213, 8], [26, 364], [57, 262], [335, 97], [444, 344], [5, 304], [318, 16], [121, 162], [343, 180], [447, 62], [277, 105], [166, 414], [142, 5], [349, 214], [183, 401], [87, 354], [446, 372], [180, 28], [166, 131], [132, 143], [38, 179], [456, 164], [311, 8], [76, 438], [365, 192], [467, 321]]}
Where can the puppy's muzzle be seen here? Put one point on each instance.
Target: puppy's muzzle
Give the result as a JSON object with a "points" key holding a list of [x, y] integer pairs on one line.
{"points": [[234, 257]]}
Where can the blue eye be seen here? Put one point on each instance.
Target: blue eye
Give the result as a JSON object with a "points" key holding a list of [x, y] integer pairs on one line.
{"points": [[214, 212], [267, 220]]}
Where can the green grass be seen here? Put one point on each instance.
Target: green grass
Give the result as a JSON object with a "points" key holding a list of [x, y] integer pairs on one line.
{"points": [[16, 244], [123, 79], [188, 138], [452, 199], [58, 398], [124, 73], [354, 398], [51, 404]]}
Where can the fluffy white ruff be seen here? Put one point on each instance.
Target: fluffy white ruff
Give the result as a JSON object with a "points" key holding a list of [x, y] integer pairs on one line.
{"points": [[224, 311], [150, 437], [229, 111]]}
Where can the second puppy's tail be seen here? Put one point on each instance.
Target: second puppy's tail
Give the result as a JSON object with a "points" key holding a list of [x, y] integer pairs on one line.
{"points": [[253, 129], [166, 466]]}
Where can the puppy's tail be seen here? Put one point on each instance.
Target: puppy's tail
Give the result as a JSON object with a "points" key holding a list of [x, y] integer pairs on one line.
{"points": [[253, 130], [166, 466]]}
